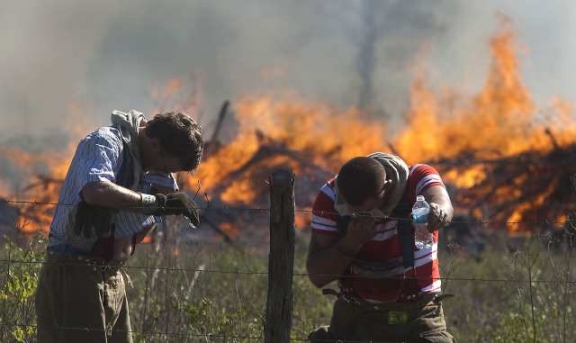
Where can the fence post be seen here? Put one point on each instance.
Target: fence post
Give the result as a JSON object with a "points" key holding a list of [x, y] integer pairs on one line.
{"points": [[281, 258]]}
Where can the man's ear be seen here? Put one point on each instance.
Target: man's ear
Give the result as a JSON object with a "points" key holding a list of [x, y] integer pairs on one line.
{"points": [[155, 144]]}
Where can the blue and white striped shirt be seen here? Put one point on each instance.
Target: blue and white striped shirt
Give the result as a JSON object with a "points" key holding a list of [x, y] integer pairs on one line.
{"points": [[99, 158]]}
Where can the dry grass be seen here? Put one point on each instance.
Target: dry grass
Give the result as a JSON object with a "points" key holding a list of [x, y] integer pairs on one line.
{"points": [[213, 293]]}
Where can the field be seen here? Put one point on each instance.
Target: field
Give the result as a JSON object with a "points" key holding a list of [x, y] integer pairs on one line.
{"points": [[216, 292]]}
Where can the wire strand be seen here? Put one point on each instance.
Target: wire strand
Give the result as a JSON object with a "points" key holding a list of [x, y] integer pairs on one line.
{"points": [[307, 211]]}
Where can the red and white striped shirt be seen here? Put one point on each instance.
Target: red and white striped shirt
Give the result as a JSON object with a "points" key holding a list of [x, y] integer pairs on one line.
{"points": [[385, 247]]}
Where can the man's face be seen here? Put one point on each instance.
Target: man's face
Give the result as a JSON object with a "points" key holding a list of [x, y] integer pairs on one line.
{"points": [[168, 164], [161, 161], [370, 204]]}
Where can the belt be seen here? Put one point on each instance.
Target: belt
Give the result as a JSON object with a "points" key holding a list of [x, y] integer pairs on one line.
{"points": [[68, 250], [419, 300], [71, 252], [95, 262]]}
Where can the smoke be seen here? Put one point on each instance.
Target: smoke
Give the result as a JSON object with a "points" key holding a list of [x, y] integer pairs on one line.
{"points": [[46, 47], [111, 54]]}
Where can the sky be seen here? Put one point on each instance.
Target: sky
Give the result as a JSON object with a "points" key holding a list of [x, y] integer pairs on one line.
{"points": [[63, 62]]}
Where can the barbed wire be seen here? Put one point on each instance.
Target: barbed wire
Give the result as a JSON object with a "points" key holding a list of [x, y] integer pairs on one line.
{"points": [[475, 220], [262, 273], [205, 208], [255, 338]]}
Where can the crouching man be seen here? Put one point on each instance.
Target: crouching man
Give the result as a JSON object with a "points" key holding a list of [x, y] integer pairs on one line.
{"points": [[362, 238]]}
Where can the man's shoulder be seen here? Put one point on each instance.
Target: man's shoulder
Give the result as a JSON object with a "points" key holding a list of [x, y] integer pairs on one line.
{"points": [[325, 200], [326, 195], [104, 139], [421, 177], [109, 134], [329, 188], [109, 131], [422, 168], [421, 171]]}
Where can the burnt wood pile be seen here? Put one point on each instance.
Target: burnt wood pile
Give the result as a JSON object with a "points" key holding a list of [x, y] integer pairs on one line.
{"points": [[533, 188]]}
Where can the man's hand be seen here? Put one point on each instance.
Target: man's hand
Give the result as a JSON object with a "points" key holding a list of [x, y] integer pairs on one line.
{"points": [[437, 218], [361, 230], [177, 203], [329, 256]]}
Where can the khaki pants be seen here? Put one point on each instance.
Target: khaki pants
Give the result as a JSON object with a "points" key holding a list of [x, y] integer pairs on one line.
{"points": [[411, 323], [78, 301]]}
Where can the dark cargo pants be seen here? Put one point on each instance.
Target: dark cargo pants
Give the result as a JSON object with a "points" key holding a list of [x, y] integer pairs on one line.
{"points": [[80, 301], [406, 322]]}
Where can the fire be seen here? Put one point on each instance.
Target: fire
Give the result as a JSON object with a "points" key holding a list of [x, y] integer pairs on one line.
{"points": [[498, 121], [317, 132], [445, 128], [41, 193], [230, 229], [37, 199], [467, 177]]}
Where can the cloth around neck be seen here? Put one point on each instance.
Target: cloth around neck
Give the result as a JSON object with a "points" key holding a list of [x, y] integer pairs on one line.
{"points": [[129, 125]]}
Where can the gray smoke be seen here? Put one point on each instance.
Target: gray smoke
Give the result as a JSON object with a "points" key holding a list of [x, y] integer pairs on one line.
{"points": [[111, 54]]}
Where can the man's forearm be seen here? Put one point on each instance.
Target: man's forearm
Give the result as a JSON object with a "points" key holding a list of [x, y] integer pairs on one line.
{"points": [[327, 265], [440, 197], [108, 194]]}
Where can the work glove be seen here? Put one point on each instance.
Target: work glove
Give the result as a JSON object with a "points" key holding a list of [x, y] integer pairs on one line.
{"points": [[92, 221], [177, 203]]}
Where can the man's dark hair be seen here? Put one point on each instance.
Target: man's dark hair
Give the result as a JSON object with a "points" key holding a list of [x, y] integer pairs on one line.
{"points": [[179, 135], [359, 179]]}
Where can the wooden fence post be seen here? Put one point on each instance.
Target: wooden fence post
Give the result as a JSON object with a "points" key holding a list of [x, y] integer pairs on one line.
{"points": [[281, 258]]}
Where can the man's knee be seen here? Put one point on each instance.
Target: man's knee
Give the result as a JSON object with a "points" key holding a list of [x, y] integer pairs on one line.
{"points": [[321, 335]]}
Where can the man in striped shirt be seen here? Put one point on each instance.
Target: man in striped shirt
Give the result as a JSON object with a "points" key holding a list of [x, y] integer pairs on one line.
{"points": [[362, 238], [114, 189]]}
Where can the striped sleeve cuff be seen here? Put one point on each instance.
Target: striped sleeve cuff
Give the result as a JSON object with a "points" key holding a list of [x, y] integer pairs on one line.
{"points": [[323, 224]]}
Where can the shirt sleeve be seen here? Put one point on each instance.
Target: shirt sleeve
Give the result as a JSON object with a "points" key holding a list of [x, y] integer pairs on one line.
{"points": [[97, 158], [324, 215], [421, 177]]}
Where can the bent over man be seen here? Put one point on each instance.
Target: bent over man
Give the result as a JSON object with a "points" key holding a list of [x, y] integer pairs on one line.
{"points": [[118, 185], [362, 238]]}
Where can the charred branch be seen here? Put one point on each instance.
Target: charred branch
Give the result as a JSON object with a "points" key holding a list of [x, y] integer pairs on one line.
{"points": [[533, 186], [211, 146], [266, 157], [217, 229]]}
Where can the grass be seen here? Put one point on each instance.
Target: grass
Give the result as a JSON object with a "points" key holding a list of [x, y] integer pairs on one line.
{"points": [[215, 293]]}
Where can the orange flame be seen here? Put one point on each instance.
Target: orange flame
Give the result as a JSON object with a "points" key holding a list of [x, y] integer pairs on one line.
{"points": [[322, 134], [495, 122], [500, 120], [41, 192]]}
